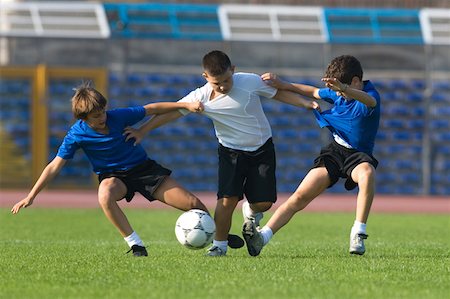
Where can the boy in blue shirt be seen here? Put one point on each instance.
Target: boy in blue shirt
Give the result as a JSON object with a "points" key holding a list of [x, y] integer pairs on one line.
{"points": [[122, 167], [353, 122]]}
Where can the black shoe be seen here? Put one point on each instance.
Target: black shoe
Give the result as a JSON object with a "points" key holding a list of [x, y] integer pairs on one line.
{"points": [[235, 242], [138, 250]]}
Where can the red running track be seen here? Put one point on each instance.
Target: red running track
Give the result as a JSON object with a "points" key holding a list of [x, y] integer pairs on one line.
{"points": [[324, 203]]}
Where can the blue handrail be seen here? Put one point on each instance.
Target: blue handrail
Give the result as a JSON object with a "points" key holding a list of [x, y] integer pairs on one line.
{"points": [[157, 20], [392, 26]]}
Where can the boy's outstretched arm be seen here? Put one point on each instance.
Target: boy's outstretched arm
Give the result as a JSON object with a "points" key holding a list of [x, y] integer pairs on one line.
{"points": [[164, 107], [165, 112], [155, 122], [49, 172], [294, 99], [305, 90]]}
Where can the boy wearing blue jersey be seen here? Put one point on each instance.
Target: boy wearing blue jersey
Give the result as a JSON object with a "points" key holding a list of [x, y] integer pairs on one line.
{"points": [[353, 122], [232, 100], [122, 167]]}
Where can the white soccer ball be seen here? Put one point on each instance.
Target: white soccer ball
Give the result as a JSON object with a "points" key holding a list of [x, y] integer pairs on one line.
{"points": [[195, 229]]}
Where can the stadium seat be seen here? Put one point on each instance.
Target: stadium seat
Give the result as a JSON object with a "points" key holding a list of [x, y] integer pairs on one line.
{"points": [[440, 97], [441, 85], [415, 97]]}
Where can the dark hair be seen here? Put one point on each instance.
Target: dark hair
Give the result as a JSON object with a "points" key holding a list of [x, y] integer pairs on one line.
{"points": [[86, 100], [216, 63], [344, 68]]}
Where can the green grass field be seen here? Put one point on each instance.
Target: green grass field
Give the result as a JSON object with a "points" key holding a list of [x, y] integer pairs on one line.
{"points": [[62, 253]]}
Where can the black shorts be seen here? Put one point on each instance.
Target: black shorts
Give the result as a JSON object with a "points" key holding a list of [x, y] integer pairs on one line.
{"points": [[340, 162], [144, 178], [249, 173]]}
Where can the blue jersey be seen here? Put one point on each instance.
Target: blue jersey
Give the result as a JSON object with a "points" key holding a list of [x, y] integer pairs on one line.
{"points": [[353, 121], [106, 152]]}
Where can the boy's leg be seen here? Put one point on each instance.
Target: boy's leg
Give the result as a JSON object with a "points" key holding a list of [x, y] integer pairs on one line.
{"points": [[315, 182], [222, 217], [254, 211], [173, 194], [110, 191], [364, 176]]}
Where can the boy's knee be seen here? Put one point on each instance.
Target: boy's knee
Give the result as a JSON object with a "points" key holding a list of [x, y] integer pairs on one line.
{"points": [[110, 190], [261, 206], [297, 202], [366, 172]]}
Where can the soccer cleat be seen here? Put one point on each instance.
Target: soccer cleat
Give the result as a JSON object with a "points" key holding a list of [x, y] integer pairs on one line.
{"points": [[246, 212], [357, 243], [138, 250], [235, 242], [253, 238], [215, 251]]}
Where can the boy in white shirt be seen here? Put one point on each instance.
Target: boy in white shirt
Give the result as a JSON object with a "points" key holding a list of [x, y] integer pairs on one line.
{"points": [[246, 151]]}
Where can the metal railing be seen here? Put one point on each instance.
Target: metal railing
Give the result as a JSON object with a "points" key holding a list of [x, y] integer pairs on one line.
{"points": [[273, 23], [53, 19]]}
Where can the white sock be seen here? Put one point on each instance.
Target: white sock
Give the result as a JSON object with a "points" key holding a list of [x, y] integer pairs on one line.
{"points": [[133, 239], [249, 212], [221, 244], [359, 228], [266, 233]]}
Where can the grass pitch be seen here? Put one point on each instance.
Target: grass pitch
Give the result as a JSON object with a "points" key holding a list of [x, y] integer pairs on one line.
{"points": [[62, 253]]}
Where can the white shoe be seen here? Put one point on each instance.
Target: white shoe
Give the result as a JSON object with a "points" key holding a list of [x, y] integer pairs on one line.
{"points": [[357, 243], [249, 215], [215, 251]]}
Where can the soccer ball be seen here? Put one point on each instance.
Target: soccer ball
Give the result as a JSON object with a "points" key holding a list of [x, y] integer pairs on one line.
{"points": [[195, 229]]}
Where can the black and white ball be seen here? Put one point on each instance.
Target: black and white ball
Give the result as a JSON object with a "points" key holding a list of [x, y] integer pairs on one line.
{"points": [[195, 229]]}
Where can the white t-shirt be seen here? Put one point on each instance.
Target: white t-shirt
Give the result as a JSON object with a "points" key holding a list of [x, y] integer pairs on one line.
{"points": [[238, 117]]}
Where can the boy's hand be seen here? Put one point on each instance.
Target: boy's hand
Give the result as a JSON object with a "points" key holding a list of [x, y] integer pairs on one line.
{"points": [[316, 106], [272, 79], [335, 85], [26, 202], [131, 132], [196, 107]]}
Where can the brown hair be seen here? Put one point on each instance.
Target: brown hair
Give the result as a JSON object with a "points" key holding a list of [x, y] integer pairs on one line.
{"points": [[344, 68], [216, 63], [86, 100]]}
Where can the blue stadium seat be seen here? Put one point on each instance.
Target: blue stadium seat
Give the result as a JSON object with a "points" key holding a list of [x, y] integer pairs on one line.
{"points": [[306, 134], [399, 84], [396, 110], [114, 79], [281, 120], [381, 135], [440, 136], [392, 123], [415, 97], [154, 78], [417, 111], [401, 164], [417, 124], [440, 111], [439, 124], [443, 149], [418, 84], [440, 97], [441, 85], [411, 178], [135, 78]]}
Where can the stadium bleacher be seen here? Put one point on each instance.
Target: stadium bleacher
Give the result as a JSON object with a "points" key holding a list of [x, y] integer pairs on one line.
{"points": [[415, 109]]}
